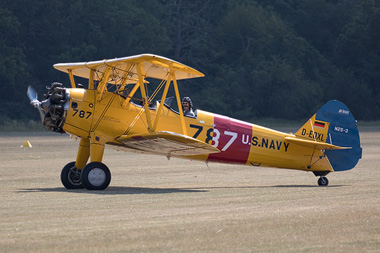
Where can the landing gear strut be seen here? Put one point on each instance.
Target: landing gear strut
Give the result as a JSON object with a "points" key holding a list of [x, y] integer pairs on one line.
{"points": [[93, 176]]}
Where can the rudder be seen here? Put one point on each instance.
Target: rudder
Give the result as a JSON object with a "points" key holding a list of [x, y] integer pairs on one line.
{"points": [[343, 132], [335, 124]]}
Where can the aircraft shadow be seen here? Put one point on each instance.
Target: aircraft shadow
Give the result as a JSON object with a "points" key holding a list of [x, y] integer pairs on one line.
{"points": [[307, 186], [116, 190], [266, 186], [120, 190]]}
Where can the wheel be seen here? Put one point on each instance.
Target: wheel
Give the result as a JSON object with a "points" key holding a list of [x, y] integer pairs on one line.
{"points": [[323, 181], [70, 177], [96, 176]]}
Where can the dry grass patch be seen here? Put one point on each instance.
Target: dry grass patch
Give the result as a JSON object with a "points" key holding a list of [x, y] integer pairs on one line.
{"points": [[154, 204]]}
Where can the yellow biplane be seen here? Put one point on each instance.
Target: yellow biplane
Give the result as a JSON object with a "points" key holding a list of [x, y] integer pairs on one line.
{"points": [[117, 109]]}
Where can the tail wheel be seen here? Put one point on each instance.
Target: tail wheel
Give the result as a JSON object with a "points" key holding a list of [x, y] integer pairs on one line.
{"points": [[96, 176], [323, 181], [70, 177]]}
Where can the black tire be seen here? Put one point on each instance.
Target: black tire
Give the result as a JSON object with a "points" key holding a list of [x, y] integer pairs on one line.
{"points": [[323, 181], [96, 176], [71, 177]]}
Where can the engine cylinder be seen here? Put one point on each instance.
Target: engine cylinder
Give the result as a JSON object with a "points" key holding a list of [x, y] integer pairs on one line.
{"points": [[53, 105]]}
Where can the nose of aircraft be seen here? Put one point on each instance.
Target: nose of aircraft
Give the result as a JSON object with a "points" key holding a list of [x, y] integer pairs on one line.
{"points": [[54, 108]]}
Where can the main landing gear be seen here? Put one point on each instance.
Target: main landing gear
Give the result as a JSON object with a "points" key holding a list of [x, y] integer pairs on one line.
{"points": [[94, 176], [80, 174]]}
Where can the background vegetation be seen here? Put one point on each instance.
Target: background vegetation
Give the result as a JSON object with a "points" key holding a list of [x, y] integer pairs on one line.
{"points": [[280, 58]]}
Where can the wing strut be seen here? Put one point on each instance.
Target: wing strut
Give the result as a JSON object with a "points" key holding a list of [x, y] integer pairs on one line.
{"points": [[162, 102], [103, 84], [71, 78], [144, 98], [140, 84], [179, 103], [130, 95], [91, 80], [125, 76]]}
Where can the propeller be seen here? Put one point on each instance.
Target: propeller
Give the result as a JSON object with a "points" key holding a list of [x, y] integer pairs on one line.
{"points": [[32, 94]]}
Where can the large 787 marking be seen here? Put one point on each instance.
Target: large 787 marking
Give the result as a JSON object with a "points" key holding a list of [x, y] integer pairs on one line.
{"points": [[214, 135]]}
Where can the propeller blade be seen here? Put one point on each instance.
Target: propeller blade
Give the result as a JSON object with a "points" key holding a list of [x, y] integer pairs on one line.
{"points": [[32, 94]]}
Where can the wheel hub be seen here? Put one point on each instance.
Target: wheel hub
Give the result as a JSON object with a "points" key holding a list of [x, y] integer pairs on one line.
{"points": [[96, 177], [74, 176]]}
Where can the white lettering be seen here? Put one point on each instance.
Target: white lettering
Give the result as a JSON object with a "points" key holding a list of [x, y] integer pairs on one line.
{"points": [[341, 129], [233, 138], [245, 139]]}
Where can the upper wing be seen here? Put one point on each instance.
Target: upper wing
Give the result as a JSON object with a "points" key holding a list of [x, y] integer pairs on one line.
{"points": [[153, 66], [167, 143]]}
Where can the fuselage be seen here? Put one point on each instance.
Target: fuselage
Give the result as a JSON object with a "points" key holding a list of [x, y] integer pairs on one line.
{"points": [[239, 142]]}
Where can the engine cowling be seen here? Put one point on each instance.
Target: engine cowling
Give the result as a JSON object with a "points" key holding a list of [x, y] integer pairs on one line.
{"points": [[55, 107]]}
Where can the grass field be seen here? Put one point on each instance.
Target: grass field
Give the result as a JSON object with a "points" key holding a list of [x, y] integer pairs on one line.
{"points": [[157, 205]]}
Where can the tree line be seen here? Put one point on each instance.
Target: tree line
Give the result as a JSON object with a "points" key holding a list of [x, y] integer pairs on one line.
{"points": [[281, 58]]}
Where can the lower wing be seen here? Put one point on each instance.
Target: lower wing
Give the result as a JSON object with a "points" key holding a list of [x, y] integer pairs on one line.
{"points": [[166, 143]]}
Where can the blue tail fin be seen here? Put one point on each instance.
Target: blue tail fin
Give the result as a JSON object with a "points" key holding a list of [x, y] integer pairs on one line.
{"points": [[343, 132]]}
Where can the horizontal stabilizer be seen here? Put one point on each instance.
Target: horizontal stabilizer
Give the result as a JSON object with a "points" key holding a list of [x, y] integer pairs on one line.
{"points": [[167, 143], [313, 144]]}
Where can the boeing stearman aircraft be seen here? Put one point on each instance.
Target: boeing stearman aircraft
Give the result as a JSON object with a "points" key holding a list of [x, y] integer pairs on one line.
{"points": [[110, 110]]}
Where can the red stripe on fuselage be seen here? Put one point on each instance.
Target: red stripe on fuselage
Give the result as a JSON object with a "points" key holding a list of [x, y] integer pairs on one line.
{"points": [[235, 138]]}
